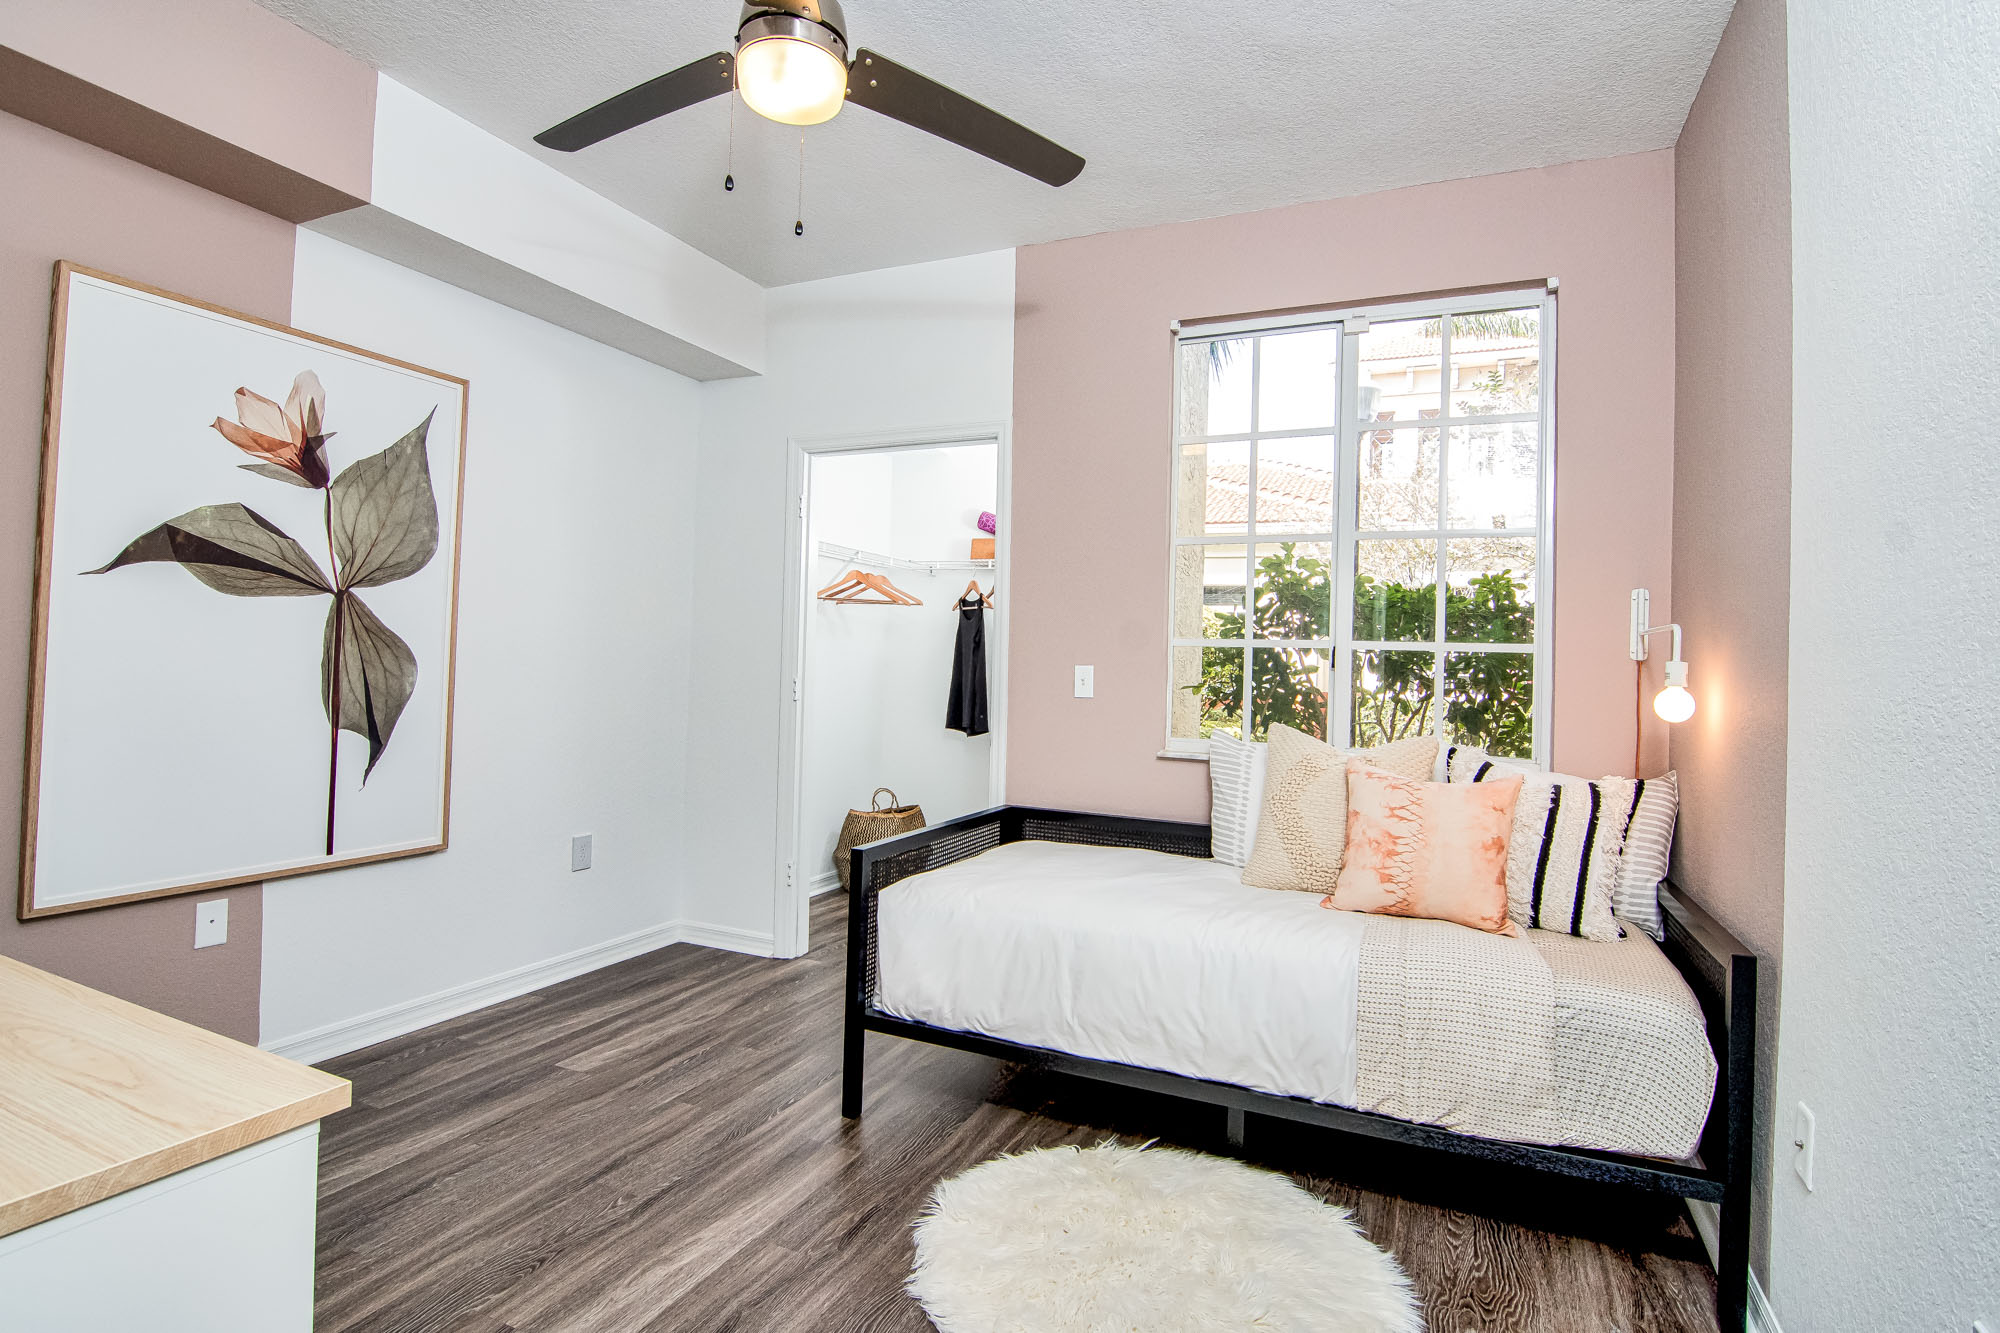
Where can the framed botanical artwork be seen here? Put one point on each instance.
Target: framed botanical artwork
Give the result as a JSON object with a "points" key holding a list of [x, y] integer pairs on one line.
{"points": [[245, 603]]}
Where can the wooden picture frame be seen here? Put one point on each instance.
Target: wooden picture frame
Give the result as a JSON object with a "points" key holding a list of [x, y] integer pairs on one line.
{"points": [[132, 778]]}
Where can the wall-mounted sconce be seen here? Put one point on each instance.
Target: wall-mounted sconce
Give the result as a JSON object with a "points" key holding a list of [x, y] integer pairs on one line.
{"points": [[1673, 703]]}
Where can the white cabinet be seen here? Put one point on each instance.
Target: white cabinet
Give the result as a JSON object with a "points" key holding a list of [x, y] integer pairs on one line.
{"points": [[223, 1247]]}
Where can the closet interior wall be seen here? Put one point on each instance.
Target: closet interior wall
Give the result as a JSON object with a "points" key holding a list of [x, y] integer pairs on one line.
{"points": [[877, 677]]}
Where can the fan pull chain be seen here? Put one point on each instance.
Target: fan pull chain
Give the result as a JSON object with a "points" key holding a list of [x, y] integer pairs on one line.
{"points": [[729, 172], [799, 227]]}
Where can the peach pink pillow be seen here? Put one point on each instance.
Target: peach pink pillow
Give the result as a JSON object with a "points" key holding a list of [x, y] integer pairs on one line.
{"points": [[1431, 849]]}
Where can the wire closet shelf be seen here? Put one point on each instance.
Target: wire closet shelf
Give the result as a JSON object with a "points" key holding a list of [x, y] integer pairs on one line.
{"points": [[856, 556]]}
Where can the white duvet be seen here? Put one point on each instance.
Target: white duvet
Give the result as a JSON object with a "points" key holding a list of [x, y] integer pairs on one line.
{"points": [[1169, 962], [1127, 955]]}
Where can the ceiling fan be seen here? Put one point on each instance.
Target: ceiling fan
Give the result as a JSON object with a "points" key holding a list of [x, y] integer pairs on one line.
{"points": [[791, 65]]}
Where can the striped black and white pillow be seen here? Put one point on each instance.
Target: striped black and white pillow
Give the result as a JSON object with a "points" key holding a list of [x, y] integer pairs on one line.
{"points": [[1464, 763], [1649, 841], [1568, 840]]}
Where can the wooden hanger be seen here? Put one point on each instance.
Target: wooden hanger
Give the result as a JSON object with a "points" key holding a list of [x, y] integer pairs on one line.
{"points": [[985, 599], [852, 587], [846, 582]]}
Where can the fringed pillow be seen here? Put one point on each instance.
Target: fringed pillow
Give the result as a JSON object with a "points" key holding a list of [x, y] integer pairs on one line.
{"points": [[1569, 838], [1463, 763]]}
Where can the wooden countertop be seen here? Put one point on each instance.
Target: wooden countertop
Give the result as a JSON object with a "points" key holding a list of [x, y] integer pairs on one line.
{"points": [[98, 1096]]}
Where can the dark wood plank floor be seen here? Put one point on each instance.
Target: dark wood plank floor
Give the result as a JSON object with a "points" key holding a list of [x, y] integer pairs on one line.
{"points": [[658, 1146]]}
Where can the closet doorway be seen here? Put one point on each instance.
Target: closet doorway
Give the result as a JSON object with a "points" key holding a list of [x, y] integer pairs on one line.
{"points": [[887, 556]]}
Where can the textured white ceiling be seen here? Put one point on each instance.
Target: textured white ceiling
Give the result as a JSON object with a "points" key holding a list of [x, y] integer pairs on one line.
{"points": [[1183, 111]]}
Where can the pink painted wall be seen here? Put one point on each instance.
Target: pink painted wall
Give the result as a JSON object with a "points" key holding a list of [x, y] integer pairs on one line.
{"points": [[227, 68], [221, 92], [1733, 510], [1092, 400], [67, 200]]}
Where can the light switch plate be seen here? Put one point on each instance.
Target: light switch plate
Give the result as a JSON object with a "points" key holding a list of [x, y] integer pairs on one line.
{"points": [[211, 923], [1086, 682], [1802, 1144], [579, 852]]}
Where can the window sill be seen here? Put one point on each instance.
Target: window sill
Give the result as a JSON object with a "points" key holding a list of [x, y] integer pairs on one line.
{"points": [[1182, 754]]}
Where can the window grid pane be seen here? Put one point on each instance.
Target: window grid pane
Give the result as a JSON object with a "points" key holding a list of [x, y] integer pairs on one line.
{"points": [[1446, 639], [1489, 702], [1490, 590], [1290, 684], [1393, 693], [1207, 690], [1446, 561], [1293, 587], [1274, 599]]}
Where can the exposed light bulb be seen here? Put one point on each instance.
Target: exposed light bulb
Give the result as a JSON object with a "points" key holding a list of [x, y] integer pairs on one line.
{"points": [[791, 81], [1674, 703]]}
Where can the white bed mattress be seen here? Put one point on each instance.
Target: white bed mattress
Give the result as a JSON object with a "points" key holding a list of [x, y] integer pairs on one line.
{"points": [[1144, 958], [1172, 963]]}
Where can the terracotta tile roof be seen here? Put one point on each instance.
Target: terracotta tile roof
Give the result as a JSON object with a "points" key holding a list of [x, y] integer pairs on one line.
{"points": [[1286, 493], [1408, 346]]}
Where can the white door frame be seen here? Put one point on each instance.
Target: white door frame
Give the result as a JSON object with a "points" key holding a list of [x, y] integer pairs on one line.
{"points": [[791, 883]]}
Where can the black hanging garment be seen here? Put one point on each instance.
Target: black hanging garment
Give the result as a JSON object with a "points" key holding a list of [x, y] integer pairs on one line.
{"points": [[966, 710]]}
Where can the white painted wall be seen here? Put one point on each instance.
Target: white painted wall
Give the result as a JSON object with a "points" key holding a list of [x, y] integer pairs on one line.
{"points": [[851, 501], [917, 348], [575, 607], [1890, 1019], [456, 202], [877, 678], [939, 494]]}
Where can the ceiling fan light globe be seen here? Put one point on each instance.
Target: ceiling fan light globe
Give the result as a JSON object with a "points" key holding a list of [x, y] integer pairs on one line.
{"points": [[791, 80]]}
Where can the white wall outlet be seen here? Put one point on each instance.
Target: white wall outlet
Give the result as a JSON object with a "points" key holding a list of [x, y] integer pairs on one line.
{"points": [[1802, 1144], [579, 852], [1086, 682], [211, 923]]}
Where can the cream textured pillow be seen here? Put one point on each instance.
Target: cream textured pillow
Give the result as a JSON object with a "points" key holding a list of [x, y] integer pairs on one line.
{"points": [[1302, 830], [1429, 849]]}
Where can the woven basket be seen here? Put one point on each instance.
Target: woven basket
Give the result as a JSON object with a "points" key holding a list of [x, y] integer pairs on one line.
{"points": [[872, 824]]}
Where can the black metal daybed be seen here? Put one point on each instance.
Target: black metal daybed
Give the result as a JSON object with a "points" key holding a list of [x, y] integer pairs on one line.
{"points": [[1720, 971]]}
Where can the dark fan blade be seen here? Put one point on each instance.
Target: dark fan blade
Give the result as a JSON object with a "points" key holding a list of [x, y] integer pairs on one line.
{"points": [[705, 78], [880, 84]]}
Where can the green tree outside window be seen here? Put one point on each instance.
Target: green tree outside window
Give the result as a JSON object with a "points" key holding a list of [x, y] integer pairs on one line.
{"points": [[1488, 696]]}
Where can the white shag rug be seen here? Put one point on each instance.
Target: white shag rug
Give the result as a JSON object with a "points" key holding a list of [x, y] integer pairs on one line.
{"points": [[1147, 1240]]}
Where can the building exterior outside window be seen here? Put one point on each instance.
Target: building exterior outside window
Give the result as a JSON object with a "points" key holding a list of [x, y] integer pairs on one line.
{"points": [[1371, 571]]}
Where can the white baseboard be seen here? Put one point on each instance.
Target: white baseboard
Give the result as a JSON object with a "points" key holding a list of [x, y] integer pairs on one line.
{"points": [[351, 1034], [824, 882], [1707, 1218], [1763, 1319], [761, 943]]}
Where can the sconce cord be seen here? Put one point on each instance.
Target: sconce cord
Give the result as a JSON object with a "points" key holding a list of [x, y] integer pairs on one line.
{"points": [[1638, 712]]}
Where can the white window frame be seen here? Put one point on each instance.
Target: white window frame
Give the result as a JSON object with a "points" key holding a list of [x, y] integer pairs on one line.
{"points": [[1353, 322]]}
